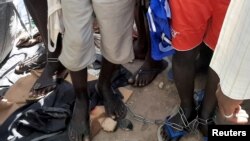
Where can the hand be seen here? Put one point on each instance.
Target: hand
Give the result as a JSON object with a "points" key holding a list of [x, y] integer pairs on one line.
{"points": [[231, 109]]}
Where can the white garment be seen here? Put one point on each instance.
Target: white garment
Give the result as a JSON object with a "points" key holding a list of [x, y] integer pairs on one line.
{"points": [[231, 59], [115, 19], [55, 22]]}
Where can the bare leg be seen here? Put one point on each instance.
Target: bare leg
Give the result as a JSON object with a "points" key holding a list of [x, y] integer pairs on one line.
{"points": [[207, 109], [140, 45], [79, 127], [202, 63], [113, 104], [45, 82], [38, 10], [151, 68], [184, 76], [147, 72]]}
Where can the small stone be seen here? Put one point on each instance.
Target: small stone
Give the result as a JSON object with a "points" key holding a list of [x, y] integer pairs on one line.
{"points": [[109, 124], [161, 85]]}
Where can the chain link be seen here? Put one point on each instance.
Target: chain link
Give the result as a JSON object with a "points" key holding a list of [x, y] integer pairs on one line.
{"points": [[189, 126], [205, 121], [143, 119]]}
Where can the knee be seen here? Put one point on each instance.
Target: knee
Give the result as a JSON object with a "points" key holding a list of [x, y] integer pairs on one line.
{"points": [[185, 57]]}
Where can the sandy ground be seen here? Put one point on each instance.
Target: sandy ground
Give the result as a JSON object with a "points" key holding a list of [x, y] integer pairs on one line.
{"points": [[152, 103]]}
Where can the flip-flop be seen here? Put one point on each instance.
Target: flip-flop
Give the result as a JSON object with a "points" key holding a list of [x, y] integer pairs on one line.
{"points": [[30, 42], [22, 40], [142, 72], [35, 97], [27, 41], [49, 83], [153, 72]]}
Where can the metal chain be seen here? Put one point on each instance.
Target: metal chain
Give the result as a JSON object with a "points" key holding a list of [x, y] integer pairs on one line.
{"points": [[143, 119], [156, 122], [205, 121], [189, 126]]}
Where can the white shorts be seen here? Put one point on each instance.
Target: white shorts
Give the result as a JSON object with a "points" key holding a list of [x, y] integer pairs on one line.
{"points": [[115, 18], [231, 59]]}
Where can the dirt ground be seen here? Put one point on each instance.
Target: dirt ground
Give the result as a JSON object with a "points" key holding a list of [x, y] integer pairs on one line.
{"points": [[153, 103], [150, 102]]}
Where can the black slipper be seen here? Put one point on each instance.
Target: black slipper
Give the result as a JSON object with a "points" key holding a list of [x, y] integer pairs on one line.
{"points": [[138, 76], [52, 83]]}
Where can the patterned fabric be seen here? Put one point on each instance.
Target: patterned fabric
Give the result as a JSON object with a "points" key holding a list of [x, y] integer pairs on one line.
{"points": [[232, 54], [158, 16]]}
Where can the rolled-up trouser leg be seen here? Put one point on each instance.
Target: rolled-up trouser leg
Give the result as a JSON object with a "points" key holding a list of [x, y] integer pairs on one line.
{"points": [[116, 18], [78, 42]]}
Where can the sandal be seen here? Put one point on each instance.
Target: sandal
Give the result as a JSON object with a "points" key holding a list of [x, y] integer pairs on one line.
{"points": [[173, 131], [49, 82], [146, 75], [28, 41], [37, 61], [56, 78], [35, 97]]}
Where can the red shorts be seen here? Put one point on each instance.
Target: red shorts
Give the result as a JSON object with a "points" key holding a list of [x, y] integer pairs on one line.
{"points": [[194, 21]]}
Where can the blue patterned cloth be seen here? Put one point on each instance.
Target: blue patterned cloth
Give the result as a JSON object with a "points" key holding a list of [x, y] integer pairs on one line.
{"points": [[158, 16]]}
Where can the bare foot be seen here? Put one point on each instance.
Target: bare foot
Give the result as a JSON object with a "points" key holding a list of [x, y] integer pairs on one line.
{"points": [[113, 104], [79, 127]]}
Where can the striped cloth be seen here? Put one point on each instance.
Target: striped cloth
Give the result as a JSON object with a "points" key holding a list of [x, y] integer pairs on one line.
{"points": [[158, 16], [231, 60]]}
